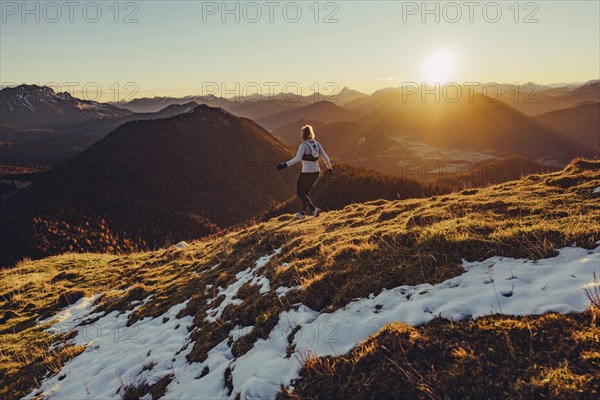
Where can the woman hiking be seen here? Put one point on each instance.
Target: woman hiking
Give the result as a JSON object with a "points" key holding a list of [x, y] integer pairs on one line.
{"points": [[309, 152]]}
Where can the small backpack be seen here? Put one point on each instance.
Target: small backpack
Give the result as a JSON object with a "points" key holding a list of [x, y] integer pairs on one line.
{"points": [[314, 152]]}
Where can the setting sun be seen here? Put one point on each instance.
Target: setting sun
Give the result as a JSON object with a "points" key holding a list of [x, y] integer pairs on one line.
{"points": [[439, 67]]}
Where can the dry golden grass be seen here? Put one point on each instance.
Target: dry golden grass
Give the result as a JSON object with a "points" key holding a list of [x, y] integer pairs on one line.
{"points": [[336, 258], [497, 357]]}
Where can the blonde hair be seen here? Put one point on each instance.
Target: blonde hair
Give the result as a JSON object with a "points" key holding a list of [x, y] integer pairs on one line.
{"points": [[307, 132]]}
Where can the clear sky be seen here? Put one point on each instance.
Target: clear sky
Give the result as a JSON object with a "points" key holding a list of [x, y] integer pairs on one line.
{"points": [[178, 48]]}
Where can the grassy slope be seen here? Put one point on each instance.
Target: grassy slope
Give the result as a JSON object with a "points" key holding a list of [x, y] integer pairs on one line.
{"points": [[552, 356], [343, 255]]}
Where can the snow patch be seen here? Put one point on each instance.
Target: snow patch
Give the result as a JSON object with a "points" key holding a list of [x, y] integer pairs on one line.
{"points": [[510, 286], [255, 375], [116, 354], [241, 278], [282, 290], [71, 314], [597, 190], [496, 285], [506, 285]]}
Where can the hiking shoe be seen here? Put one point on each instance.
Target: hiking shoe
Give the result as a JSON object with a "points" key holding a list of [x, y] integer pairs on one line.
{"points": [[316, 212], [300, 215]]}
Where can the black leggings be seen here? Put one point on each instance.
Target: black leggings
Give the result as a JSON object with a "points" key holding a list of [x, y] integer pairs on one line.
{"points": [[306, 180]]}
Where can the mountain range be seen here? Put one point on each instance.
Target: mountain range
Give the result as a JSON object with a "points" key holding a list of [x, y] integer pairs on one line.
{"points": [[41, 127], [533, 100], [148, 181], [152, 182], [496, 128], [32, 106]]}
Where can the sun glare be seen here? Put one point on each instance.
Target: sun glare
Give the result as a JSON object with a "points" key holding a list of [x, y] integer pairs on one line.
{"points": [[439, 67]]}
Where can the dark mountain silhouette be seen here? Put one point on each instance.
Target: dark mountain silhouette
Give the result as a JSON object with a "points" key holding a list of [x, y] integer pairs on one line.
{"points": [[35, 106], [529, 98], [347, 95], [45, 128], [323, 111], [252, 106], [148, 183], [581, 124], [475, 123], [533, 100], [168, 111], [381, 99], [264, 107], [154, 104]]}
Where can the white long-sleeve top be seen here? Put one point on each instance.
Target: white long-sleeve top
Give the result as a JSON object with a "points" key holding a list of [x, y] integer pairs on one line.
{"points": [[309, 166]]}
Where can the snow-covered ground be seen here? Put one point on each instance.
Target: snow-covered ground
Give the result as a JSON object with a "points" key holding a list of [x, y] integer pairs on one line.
{"points": [[117, 355], [242, 277]]}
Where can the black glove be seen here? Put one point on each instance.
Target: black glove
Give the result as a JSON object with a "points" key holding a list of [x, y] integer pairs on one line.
{"points": [[330, 170], [281, 166]]}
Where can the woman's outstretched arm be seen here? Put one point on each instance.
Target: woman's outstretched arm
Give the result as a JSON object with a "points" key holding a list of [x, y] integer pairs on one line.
{"points": [[298, 156], [325, 156]]}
